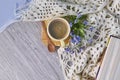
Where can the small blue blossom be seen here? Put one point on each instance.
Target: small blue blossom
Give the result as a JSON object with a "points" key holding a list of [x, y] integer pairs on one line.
{"points": [[72, 52], [74, 37], [91, 28], [80, 49], [85, 22], [78, 38], [76, 20], [67, 49], [73, 40], [71, 24], [90, 41], [79, 15], [72, 34]]}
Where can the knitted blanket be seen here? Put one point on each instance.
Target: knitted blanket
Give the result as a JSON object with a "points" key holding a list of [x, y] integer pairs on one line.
{"points": [[103, 15]]}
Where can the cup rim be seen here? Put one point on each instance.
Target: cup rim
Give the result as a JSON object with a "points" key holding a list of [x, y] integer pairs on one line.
{"points": [[68, 26]]}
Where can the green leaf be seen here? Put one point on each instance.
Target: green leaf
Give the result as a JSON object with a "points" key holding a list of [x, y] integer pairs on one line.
{"points": [[76, 25], [83, 17], [82, 26], [77, 28], [82, 33]]}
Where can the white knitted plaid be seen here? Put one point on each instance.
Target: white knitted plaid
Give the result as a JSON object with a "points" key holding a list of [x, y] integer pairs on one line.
{"points": [[103, 15]]}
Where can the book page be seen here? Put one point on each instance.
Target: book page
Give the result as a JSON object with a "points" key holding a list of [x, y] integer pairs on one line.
{"points": [[110, 67]]}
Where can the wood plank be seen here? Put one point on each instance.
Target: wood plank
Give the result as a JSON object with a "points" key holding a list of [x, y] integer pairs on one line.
{"points": [[23, 56]]}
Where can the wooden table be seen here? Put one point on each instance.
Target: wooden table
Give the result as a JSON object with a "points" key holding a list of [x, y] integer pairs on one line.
{"points": [[24, 57]]}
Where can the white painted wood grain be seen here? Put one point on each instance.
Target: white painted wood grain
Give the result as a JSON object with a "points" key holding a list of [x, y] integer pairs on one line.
{"points": [[24, 57]]}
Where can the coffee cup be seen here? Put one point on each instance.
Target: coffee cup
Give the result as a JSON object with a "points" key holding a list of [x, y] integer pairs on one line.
{"points": [[58, 29]]}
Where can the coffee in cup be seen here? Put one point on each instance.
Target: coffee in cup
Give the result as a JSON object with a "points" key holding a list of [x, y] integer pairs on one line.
{"points": [[58, 29]]}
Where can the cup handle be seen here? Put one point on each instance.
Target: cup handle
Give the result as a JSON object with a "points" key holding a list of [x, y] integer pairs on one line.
{"points": [[62, 43]]}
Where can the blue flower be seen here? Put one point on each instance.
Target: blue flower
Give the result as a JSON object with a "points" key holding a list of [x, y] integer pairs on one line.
{"points": [[67, 49], [90, 41], [79, 15], [75, 39], [76, 20], [78, 38], [72, 34], [72, 52], [80, 49], [85, 22], [71, 24], [91, 28]]}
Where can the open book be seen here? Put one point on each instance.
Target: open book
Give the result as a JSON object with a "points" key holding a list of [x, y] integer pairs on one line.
{"points": [[110, 67]]}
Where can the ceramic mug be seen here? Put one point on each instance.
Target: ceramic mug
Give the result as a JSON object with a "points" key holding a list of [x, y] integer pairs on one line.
{"points": [[58, 29]]}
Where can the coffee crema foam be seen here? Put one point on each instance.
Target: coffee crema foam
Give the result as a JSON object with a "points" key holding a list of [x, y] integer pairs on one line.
{"points": [[58, 29]]}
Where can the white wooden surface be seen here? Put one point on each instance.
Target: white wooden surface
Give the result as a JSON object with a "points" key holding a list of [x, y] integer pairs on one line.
{"points": [[24, 57]]}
